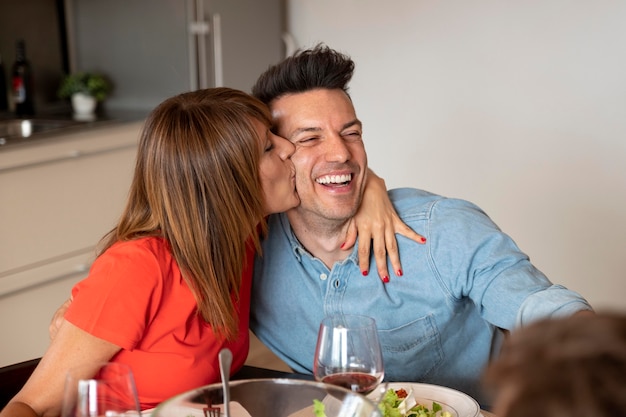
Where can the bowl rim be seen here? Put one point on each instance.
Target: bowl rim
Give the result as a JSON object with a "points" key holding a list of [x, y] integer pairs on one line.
{"points": [[285, 381]]}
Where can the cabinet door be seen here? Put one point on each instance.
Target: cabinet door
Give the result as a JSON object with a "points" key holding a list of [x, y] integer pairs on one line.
{"points": [[248, 39], [59, 199], [25, 317]]}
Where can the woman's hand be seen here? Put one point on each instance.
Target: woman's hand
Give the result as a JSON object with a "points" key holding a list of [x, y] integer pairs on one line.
{"points": [[57, 318], [377, 220]]}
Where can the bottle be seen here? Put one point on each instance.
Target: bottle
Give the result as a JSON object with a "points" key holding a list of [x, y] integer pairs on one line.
{"points": [[4, 98], [22, 82]]}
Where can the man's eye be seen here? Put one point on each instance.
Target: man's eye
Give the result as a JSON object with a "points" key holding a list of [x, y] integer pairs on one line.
{"points": [[352, 135], [306, 140]]}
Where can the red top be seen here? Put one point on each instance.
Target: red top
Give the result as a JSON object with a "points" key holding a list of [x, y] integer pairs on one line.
{"points": [[136, 298]]}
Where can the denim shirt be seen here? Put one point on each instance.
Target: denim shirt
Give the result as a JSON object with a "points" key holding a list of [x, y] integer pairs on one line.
{"points": [[438, 323]]}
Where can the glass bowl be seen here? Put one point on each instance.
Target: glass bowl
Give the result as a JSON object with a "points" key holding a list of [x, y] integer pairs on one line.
{"points": [[269, 398]]}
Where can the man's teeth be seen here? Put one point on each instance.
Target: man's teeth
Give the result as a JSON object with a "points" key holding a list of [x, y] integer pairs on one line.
{"points": [[334, 179]]}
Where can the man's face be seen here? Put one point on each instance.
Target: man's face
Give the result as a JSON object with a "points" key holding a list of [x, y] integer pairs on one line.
{"points": [[330, 158]]}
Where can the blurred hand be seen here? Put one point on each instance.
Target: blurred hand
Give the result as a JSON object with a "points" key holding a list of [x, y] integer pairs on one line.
{"points": [[58, 318]]}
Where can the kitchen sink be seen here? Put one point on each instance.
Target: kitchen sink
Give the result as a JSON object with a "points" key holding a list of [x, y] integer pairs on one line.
{"points": [[25, 128]]}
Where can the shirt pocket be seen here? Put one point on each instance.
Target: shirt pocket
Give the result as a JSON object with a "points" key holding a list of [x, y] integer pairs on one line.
{"points": [[411, 351]]}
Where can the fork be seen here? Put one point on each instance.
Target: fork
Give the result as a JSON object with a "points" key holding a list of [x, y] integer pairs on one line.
{"points": [[211, 411]]}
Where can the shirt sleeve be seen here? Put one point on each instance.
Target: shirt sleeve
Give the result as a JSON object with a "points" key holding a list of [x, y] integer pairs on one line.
{"points": [[552, 302], [120, 296], [475, 259]]}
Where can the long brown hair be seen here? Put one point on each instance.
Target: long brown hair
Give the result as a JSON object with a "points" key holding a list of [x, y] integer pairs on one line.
{"points": [[197, 184]]}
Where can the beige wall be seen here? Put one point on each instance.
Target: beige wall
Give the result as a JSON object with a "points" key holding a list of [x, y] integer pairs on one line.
{"points": [[519, 106]]}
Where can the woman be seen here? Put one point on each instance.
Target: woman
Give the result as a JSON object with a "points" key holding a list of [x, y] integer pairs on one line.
{"points": [[171, 284]]}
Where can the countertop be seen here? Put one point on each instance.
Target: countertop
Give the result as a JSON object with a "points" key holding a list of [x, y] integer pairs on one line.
{"points": [[57, 125]]}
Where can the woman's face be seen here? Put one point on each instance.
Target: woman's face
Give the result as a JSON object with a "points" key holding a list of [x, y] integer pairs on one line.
{"points": [[278, 175]]}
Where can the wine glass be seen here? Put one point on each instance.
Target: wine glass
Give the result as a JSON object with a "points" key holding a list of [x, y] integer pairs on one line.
{"points": [[110, 392], [348, 353]]}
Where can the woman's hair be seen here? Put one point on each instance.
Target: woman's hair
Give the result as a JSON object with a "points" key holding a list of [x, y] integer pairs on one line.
{"points": [[572, 367], [197, 185], [310, 69]]}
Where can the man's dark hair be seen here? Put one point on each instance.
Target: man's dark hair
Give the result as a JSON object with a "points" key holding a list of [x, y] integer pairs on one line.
{"points": [[305, 70]]}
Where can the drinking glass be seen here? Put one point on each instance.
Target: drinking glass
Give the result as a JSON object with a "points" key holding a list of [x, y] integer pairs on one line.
{"points": [[348, 353], [111, 393]]}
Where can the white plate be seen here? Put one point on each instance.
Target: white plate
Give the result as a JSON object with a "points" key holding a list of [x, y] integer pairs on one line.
{"points": [[456, 402]]}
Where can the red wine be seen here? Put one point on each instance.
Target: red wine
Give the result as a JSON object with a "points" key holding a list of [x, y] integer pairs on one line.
{"points": [[355, 381]]}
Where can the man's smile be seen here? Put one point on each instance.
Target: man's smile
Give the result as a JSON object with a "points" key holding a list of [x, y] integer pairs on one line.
{"points": [[342, 180]]}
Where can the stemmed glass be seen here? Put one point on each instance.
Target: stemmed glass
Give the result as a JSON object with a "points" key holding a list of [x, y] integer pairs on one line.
{"points": [[348, 353], [111, 393]]}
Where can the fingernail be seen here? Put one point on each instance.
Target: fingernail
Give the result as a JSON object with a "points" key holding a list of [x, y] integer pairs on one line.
{"points": [[385, 279], [342, 245], [364, 273], [423, 239], [399, 272]]}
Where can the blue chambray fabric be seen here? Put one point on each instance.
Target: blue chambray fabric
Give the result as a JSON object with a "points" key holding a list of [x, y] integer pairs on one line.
{"points": [[438, 323]]}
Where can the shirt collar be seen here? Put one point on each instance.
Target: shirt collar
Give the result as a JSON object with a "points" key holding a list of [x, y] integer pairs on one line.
{"points": [[299, 251]]}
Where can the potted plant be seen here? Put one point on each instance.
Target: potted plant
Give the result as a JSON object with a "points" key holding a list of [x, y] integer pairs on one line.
{"points": [[85, 89]]}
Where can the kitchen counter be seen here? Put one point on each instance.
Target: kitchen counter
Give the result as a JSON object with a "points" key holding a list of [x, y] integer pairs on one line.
{"points": [[17, 132]]}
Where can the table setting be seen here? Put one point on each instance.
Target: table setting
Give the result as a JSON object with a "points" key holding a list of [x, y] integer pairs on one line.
{"points": [[347, 381]]}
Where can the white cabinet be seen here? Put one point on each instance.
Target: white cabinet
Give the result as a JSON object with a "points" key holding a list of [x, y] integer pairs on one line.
{"points": [[58, 197]]}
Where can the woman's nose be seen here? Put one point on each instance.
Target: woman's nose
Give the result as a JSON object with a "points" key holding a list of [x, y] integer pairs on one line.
{"points": [[286, 148]]}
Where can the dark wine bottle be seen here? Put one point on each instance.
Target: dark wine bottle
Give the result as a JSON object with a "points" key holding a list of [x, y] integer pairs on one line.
{"points": [[22, 82], [4, 95]]}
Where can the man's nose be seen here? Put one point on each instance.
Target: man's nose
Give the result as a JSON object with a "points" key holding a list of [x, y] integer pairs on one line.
{"points": [[336, 149]]}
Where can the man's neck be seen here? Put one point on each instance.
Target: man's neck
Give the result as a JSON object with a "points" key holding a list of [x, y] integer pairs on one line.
{"points": [[320, 237]]}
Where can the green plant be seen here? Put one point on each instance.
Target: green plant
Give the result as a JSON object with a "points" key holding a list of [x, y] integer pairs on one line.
{"points": [[89, 83]]}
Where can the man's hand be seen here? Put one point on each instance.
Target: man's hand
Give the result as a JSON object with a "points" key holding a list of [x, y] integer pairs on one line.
{"points": [[58, 318]]}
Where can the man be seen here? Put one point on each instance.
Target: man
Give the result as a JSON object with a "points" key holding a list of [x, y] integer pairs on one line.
{"points": [[440, 322]]}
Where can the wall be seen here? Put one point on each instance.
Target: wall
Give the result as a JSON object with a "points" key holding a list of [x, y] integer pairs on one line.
{"points": [[518, 106]]}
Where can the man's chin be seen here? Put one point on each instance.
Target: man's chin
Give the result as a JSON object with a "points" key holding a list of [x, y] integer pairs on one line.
{"points": [[336, 214]]}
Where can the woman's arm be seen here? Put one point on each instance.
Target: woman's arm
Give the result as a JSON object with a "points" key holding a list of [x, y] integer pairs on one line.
{"points": [[377, 220], [42, 395]]}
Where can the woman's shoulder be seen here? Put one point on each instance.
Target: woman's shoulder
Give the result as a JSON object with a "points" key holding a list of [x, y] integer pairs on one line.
{"points": [[148, 246], [146, 253]]}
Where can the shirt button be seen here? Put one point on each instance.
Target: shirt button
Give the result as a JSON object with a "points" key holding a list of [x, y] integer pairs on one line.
{"points": [[323, 277]]}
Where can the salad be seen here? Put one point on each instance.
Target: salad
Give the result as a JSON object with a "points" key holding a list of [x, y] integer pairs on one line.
{"points": [[399, 403], [396, 403]]}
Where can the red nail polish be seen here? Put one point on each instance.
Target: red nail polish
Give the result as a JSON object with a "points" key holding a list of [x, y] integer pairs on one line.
{"points": [[342, 245], [385, 279], [423, 239], [399, 273], [364, 273]]}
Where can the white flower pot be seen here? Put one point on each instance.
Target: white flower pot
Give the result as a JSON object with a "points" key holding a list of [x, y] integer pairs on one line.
{"points": [[84, 106]]}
